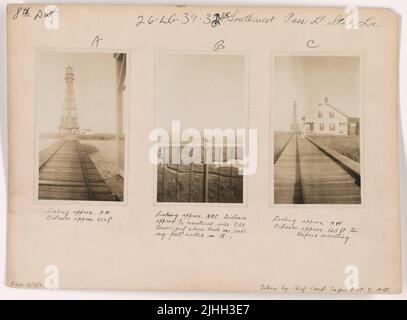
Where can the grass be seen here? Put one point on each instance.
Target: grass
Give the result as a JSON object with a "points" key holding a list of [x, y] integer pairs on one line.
{"points": [[349, 146], [104, 155]]}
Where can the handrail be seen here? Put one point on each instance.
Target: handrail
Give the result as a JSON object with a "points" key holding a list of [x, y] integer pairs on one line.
{"points": [[349, 164]]}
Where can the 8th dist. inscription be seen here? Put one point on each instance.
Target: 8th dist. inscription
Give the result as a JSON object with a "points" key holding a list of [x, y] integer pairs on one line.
{"points": [[173, 225]]}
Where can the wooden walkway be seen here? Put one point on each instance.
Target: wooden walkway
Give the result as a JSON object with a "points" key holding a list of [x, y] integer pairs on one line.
{"points": [[305, 174], [199, 183], [67, 173]]}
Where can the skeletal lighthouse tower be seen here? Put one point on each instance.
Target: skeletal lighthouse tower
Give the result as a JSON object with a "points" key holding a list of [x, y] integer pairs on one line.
{"points": [[69, 119]]}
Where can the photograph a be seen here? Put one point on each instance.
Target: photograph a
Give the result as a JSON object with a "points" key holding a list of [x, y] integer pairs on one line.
{"points": [[201, 92], [82, 102], [316, 122]]}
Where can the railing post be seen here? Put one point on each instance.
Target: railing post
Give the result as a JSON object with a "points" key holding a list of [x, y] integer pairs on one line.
{"points": [[205, 182], [205, 174], [163, 183], [218, 193], [176, 184]]}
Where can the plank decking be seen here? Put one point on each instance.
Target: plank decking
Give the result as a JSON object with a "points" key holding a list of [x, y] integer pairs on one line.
{"points": [[68, 173], [305, 174]]}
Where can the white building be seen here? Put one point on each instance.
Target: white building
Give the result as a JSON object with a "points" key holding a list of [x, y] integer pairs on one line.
{"points": [[326, 119]]}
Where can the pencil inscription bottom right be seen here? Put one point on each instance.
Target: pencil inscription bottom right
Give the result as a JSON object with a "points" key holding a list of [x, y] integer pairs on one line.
{"points": [[317, 135]]}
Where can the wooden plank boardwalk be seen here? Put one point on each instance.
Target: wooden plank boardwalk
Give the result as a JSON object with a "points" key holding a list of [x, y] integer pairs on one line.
{"points": [[305, 174], [287, 180], [67, 173]]}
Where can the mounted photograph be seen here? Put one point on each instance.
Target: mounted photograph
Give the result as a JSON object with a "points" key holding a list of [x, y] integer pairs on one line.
{"points": [[82, 104], [201, 106], [316, 121]]}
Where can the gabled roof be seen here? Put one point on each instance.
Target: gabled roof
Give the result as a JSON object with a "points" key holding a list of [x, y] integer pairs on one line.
{"points": [[336, 109]]}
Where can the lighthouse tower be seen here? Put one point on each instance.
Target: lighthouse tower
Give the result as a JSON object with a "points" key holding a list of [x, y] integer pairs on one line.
{"points": [[295, 123], [69, 118]]}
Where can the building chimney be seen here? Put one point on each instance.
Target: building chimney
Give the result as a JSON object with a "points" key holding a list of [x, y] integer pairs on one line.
{"points": [[326, 100]]}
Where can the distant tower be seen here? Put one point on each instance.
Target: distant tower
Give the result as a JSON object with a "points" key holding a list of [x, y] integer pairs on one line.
{"points": [[295, 124], [69, 119]]}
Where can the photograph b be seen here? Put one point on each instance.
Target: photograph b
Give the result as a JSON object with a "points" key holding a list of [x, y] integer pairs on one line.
{"points": [[317, 130], [81, 110], [200, 103]]}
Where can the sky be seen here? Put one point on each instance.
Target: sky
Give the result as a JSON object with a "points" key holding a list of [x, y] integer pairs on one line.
{"points": [[307, 80], [94, 87], [200, 90]]}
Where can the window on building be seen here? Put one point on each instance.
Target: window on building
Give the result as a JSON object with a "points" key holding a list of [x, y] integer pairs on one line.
{"points": [[343, 128], [331, 114], [320, 114], [321, 127], [332, 127]]}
